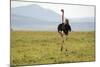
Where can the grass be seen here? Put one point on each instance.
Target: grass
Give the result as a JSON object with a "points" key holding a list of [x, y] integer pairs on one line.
{"points": [[31, 48]]}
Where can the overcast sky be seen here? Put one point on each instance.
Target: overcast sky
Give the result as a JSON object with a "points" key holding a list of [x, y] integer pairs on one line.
{"points": [[71, 11]]}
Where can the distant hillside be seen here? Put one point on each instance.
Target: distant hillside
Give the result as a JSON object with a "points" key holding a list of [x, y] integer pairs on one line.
{"points": [[27, 23], [35, 11], [34, 17]]}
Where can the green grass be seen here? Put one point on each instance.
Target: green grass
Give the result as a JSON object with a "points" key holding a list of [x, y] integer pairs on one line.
{"points": [[31, 48]]}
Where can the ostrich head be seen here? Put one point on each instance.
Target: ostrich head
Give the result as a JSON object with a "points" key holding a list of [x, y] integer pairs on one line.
{"points": [[62, 10]]}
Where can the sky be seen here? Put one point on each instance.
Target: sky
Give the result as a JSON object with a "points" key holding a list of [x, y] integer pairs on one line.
{"points": [[71, 11]]}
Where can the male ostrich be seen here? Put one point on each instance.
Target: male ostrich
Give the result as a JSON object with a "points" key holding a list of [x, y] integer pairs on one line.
{"points": [[63, 28]]}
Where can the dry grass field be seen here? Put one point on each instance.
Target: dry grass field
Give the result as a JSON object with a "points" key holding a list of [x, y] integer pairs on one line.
{"points": [[32, 48]]}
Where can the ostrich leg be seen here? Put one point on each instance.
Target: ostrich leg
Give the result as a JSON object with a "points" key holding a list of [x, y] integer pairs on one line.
{"points": [[62, 44]]}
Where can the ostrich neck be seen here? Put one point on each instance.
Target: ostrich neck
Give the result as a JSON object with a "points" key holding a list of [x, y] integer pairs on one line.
{"points": [[62, 17]]}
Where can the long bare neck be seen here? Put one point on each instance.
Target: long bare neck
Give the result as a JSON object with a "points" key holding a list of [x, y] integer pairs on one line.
{"points": [[62, 17]]}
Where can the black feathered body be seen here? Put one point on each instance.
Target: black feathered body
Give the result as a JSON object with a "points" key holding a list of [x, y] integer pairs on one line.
{"points": [[64, 27]]}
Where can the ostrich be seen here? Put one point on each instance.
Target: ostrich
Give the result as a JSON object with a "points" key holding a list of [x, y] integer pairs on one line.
{"points": [[63, 28]]}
